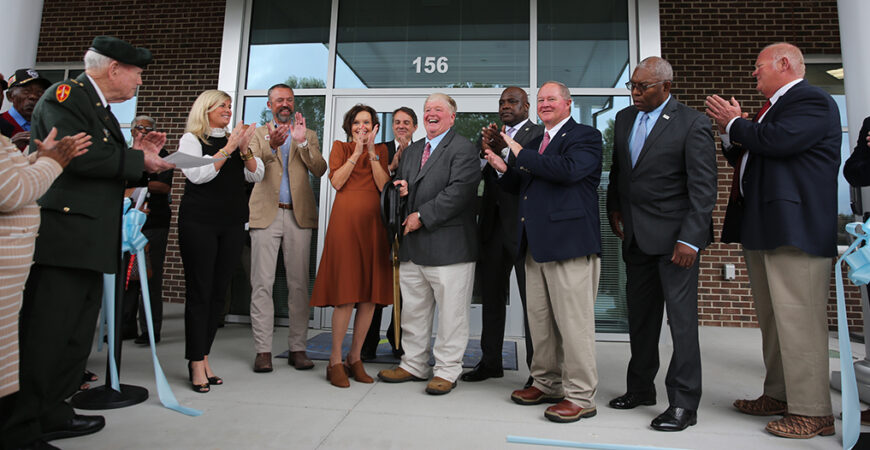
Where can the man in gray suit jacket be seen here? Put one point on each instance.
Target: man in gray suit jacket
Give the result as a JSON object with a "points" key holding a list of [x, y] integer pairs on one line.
{"points": [[660, 201], [439, 176]]}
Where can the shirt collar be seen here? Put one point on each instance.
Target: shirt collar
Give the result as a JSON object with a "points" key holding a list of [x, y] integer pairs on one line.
{"points": [[217, 132], [433, 143], [781, 91], [99, 92], [553, 131], [22, 122]]}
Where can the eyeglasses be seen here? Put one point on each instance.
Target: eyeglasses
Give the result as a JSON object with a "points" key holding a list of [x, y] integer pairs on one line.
{"points": [[144, 129], [641, 86]]}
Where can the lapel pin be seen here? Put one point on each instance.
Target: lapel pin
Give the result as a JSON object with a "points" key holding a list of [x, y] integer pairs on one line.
{"points": [[667, 117], [563, 134]]}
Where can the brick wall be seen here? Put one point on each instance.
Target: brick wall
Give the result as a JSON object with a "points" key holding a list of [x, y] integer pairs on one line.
{"points": [[712, 47], [185, 39]]}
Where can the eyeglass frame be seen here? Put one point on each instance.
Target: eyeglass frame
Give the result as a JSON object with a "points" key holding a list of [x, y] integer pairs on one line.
{"points": [[144, 129], [642, 87]]}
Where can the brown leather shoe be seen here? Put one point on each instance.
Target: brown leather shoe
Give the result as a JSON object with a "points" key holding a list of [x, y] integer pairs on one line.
{"points": [[398, 375], [337, 375], [534, 396], [439, 386], [801, 427], [359, 372], [299, 360], [263, 362], [567, 411], [762, 406]]}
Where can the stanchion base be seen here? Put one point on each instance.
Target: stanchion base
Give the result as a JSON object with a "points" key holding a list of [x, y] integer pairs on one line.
{"points": [[104, 397]]}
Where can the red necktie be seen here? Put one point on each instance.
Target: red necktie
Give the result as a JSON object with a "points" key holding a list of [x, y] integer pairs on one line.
{"points": [[426, 151], [544, 143], [735, 179]]}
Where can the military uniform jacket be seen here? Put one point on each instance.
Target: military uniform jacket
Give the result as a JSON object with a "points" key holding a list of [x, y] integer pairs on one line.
{"points": [[81, 212]]}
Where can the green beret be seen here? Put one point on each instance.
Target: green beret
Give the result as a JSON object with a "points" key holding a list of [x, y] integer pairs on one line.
{"points": [[121, 51]]}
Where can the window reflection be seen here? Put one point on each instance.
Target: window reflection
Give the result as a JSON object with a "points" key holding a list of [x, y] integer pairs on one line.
{"points": [[287, 41], [582, 43], [444, 43]]}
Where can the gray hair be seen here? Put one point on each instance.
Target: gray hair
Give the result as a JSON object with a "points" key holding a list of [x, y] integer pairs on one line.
{"points": [[95, 61], [438, 96], [143, 117], [660, 67], [563, 90], [784, 50]]}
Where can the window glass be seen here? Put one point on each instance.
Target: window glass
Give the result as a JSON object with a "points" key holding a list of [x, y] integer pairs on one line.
{"points": [[582, 43], [435, 43], [288, 44], [611, 311]]}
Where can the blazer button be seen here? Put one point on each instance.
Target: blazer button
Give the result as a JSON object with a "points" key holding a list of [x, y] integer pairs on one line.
{"points": [[66, 209], [522, 219], [105, 139], [525, 197]]}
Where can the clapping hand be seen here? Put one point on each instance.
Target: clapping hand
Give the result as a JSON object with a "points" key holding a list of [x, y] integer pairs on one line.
{"points": [[298, 130], [66, 149]]}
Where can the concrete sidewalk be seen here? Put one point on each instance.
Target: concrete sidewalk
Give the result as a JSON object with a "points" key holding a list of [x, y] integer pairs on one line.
{"points": [[301, 410]]}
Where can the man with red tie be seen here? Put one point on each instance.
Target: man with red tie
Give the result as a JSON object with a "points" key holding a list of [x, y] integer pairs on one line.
{"points": [[785, 214], [556, 176]]}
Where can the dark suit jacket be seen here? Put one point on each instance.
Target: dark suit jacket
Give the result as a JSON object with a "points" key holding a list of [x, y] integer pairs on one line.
{"points": [[81, 212], [857, 167], [443, 192], [790, 180], [558, 191], [498, 204], [670, 193]]}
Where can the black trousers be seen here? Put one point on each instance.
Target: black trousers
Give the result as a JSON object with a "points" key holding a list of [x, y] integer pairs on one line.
{"points": [[57, 324], [373, 337], [495, 263], [209, 254], [653, 283], [157, 238]]}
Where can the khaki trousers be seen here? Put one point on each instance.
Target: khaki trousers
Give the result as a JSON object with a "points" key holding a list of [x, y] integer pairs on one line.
{"points": [[295, 243], [423, 287], [560, 300], [790, 291]]}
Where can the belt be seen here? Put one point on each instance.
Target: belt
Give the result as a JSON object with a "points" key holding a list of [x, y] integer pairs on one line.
{"points": [[285, 205]]}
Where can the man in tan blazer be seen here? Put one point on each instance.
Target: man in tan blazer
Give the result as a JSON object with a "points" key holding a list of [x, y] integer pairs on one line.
{"points": [[283, 213]]}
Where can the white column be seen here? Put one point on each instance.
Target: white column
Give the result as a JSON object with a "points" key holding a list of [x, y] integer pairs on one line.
{"points": [[21, 23], [854, 16]]}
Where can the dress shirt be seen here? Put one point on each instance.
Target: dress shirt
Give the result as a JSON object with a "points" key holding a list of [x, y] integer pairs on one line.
{"points": [[651, 122], [22, 122], [99, 92], [191, 145], [284, 190], [433, 143]]}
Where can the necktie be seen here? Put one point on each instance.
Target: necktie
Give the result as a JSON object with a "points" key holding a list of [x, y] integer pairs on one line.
{"points": [[510, 131], [545, 142], [638, 139], [735, 178], [426, 151]]}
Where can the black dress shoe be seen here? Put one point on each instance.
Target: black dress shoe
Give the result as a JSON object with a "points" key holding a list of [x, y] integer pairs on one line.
{"points": [[675, 419], [142, 339], [481, 372], [631, 400], [78, 425]]}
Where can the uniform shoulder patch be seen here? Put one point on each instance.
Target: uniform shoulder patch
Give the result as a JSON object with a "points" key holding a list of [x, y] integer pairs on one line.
{"points": [[62, 92]]}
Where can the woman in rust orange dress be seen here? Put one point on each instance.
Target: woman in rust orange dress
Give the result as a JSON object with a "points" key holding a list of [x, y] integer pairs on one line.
{"points": [[355, 266]]}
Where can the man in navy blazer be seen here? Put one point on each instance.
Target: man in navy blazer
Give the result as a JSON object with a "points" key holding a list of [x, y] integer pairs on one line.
{"points": [[787, 161], [557, 176], [660, 201]]}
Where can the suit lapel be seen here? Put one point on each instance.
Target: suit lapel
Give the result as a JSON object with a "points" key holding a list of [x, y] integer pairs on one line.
{"points": [[623, 134], [663, 122], [110, 123], [556, 141]]}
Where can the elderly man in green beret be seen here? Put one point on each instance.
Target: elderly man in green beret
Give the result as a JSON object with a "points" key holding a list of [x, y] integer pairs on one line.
{"points": [[78, 241]]}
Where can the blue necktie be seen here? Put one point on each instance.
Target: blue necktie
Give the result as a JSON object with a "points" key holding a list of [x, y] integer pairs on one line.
{"points": [[639, 139]]}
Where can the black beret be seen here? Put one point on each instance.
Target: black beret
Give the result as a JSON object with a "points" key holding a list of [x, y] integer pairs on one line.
{"points": [[121, 51]]}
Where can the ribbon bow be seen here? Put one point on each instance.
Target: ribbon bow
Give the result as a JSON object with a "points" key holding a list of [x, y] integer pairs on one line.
{"points": [[133, 241]]}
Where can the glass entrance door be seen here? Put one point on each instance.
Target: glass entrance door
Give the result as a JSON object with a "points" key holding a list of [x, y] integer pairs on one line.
{"points": [[473, 112]]}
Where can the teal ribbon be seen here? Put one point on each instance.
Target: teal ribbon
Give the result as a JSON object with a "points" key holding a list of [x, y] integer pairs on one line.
{"points": [[133, 241], [572, 444], [858, 260], [107, 327]]}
